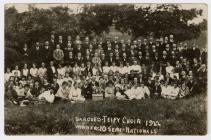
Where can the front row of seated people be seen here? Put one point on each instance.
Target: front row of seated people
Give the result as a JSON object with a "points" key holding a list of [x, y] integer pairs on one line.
{"points": [[74, 92]]}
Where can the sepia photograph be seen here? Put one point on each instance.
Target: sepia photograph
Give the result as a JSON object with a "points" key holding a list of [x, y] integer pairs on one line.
{"points": [[105, 69]]}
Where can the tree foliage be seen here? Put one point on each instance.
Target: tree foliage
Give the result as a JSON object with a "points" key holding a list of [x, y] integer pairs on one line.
{"points": [[163, 20], [37, 24]]}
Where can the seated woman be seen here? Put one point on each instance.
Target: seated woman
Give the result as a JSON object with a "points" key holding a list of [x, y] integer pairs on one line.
{"points": [[20, 90], [24, 95], [109, 90], [164, 91], [54, 85], [47, 95], [172, 91], [67, 77], [135, 67], [36, 89], [75, 94], [61, 70], [119, 93], [169, 68], [129, 92], [121, 69], [184, 90], [106, 68], [63, 92], [7, 75], [87, 90], [143, 92]]}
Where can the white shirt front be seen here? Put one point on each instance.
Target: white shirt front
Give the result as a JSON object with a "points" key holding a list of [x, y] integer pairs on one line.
{"points": [[53, 69]]}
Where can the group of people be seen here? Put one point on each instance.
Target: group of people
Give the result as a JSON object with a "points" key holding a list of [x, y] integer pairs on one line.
{"points": [[80, 70]]}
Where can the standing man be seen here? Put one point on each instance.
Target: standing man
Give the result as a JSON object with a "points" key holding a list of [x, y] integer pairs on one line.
{"points": [[37, 53], [52, 41], [47, 52], [58, 54]]}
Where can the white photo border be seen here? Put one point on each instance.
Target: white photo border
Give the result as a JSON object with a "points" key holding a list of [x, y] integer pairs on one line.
{"points": [[2, 134]]}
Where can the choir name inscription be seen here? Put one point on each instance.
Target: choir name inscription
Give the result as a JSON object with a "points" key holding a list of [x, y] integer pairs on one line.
{"points": [[120, 125]]}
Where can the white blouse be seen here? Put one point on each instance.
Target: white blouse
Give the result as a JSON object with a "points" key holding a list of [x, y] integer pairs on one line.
{"points": [[25, 72], [16, 71], [34, 72], [61, 71], [106, 69], [75, 93], [7, 76], [136, 68], [42, 72], [47, 96]]}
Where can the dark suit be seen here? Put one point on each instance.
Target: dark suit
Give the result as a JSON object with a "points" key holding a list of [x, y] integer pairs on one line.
{"points": [[37, 55], [156, 89], [47, 54], [87, 92], [50, 73], [195, 53], [26, 54], [36, 91]]}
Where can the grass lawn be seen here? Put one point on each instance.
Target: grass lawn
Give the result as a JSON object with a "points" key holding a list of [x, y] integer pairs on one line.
{"points": [[177, 117]]}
